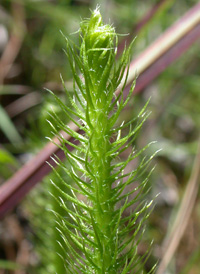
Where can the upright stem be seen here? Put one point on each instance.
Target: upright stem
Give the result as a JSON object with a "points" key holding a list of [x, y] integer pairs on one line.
{"points": [[103, 210], [98, 56]]}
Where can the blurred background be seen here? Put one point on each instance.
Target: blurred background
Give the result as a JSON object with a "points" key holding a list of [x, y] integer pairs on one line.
{"points": [[32, 58]]}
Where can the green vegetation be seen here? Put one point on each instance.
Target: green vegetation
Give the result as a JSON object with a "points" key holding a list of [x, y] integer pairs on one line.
{"points": [[96, 236], [32, 58]]}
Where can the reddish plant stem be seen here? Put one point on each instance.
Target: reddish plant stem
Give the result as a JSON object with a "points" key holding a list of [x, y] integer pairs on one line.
{"points": [[149, 15], [165, 60]]}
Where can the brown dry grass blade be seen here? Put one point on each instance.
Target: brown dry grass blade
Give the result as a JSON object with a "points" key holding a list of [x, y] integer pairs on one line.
{"points": [[179, 226], [148, 65]]}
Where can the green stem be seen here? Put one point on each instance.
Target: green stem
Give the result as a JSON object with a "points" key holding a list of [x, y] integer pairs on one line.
{"points": [[103, 210], [98, 55]]}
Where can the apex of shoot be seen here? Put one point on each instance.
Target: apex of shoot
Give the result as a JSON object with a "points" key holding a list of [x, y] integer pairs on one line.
{"points": [[98, 42]]}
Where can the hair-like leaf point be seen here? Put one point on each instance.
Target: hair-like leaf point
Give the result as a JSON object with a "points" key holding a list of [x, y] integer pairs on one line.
{"points": [[97, 234]]}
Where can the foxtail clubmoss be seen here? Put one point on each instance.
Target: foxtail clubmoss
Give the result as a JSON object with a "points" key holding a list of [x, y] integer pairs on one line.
{"points": [[97, 237]]}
